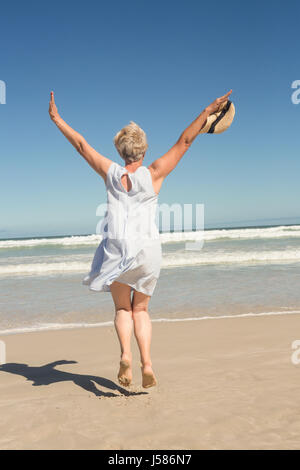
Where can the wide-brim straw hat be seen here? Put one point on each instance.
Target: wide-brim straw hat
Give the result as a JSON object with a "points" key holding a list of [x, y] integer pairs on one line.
{"points": [[219, 121]]}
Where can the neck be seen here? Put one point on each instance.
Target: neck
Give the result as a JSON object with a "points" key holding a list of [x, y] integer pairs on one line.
{"points": [[131, 167]]}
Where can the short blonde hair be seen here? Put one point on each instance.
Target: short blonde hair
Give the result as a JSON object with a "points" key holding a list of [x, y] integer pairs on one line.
{"points": [[131, 142]]}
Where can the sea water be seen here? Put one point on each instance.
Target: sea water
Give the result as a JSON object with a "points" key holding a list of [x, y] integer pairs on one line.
{"points": [[239, 271]]}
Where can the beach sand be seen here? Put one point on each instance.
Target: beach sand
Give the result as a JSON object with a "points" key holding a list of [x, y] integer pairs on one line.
{"points": [[222, 384]]}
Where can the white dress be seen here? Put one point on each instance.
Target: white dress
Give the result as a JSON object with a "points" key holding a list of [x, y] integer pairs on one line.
{"points": [[130, 251]]}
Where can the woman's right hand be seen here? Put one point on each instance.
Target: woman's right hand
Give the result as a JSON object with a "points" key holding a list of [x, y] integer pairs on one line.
{"points": [[215, 105], [52, 108]]}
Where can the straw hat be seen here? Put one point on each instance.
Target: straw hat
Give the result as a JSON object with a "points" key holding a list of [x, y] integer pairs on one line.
{"points": [[219, 121]]}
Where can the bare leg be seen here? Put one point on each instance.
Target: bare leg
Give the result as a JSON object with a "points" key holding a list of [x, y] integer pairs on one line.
{"points": [[121, 294], [143, 333]]}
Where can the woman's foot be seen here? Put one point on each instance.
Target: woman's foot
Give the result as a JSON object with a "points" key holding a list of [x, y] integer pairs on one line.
{"points": [[149, 379], [125, 372]]}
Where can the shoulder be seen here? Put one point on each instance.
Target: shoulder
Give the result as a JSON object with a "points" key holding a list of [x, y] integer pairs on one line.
{"points": [[156, 178], [111, 171]]}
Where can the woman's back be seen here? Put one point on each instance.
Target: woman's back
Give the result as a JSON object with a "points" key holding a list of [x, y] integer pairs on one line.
{"points": [[131, 213], [130, 251]]}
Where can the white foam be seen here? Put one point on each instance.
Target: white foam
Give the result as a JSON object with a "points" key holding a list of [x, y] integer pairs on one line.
{"points": [[253, 233], [168, 237], [170, 260], [234, 257], [53, 326], [69, 326], [239, 315], [64, 241], [44, 268]]}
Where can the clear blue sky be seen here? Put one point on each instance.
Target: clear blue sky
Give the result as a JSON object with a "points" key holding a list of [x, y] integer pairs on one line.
{"points": [[157, 63]]}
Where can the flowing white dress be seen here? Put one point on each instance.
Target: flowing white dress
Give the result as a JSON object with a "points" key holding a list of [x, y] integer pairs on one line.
{"points": [[130, 250]]}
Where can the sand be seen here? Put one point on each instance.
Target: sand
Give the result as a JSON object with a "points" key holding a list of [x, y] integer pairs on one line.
{"points": [[222, 384]]}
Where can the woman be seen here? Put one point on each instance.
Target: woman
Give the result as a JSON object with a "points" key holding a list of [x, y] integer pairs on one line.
{"points": [[129, 255]]}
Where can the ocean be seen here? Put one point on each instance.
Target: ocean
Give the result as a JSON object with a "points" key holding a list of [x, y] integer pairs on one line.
{"points": [[239, 271]]}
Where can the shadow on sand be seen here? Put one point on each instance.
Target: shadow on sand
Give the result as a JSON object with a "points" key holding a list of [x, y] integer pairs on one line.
{"points": [[47, 374]]}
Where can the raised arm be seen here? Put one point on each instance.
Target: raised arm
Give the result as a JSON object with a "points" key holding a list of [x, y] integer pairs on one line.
{"points": [[97, 161], [161, 167]]}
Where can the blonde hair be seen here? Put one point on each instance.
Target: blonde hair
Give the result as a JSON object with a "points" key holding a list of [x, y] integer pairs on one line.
{"points": [[131, 142]]}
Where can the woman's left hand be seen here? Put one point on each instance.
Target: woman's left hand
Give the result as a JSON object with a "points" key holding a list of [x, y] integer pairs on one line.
{"points": [[52, 108], [215, 105]]}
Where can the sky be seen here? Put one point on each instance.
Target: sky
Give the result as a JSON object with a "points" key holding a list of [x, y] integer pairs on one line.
{"points": [[158, 64]]}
